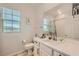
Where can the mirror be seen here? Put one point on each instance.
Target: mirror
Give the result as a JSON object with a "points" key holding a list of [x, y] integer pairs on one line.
{"points": [[58, 18], [49, 25], [62, 22]]}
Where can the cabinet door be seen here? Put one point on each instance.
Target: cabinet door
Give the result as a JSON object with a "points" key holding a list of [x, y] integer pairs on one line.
{"points": [[45, 50], [43, 53], [56, 53], [36, 51]]}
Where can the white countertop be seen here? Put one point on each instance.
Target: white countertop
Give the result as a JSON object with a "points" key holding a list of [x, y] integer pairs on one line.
{"points": [[68, 46]]}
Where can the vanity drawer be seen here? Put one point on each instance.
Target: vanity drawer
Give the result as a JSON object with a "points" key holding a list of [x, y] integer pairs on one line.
{"points": [[44, 53], [56, 53]]}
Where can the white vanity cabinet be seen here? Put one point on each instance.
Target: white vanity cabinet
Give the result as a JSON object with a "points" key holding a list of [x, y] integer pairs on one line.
{"points": [[45, 50], [52, 48]]}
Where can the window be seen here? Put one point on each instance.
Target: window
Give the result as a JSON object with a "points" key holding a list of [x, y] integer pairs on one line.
{"points": [[11, 20], [45, 25]]}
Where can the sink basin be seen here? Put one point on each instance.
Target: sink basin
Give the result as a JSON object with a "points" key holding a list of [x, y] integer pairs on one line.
{"points": [[28, 46]]}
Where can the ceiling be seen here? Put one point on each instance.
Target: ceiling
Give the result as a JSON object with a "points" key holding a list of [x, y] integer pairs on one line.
{"points": [[63, 8]]}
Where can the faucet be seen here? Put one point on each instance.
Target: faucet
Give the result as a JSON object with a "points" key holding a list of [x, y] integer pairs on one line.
{"points": [[54, 36]]}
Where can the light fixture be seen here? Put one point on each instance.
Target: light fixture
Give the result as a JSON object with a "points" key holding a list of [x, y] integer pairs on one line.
{"points": [[60, 14]]}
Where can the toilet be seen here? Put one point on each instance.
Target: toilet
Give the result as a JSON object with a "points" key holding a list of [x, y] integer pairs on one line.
{"points": [[28, 47]]}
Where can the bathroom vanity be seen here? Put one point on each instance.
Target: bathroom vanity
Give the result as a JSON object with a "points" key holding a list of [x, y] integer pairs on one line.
{"points": [[68, 47]]}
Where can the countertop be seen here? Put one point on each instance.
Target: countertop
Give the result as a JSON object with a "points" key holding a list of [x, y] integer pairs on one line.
{"points": [[68, 46]]}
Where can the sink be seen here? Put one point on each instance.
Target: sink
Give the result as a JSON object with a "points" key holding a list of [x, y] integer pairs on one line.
{"points": [[28, 46]]}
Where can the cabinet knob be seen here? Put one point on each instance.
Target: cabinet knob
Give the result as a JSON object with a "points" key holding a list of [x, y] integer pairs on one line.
{"points": [[60, 55]]}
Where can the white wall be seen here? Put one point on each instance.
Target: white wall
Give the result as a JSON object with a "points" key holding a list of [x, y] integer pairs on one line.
{"points": [[0, 44], [11, 42]]}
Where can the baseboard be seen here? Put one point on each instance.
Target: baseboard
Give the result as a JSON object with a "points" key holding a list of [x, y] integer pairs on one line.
{"points": [[17, 53]]}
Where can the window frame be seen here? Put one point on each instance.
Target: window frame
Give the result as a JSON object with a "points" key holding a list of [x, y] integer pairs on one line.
{"points": [[19, 21]]}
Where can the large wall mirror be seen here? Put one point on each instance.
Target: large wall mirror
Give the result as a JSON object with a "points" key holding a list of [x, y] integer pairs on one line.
{"points": [[58, 16], [61, 21]]}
